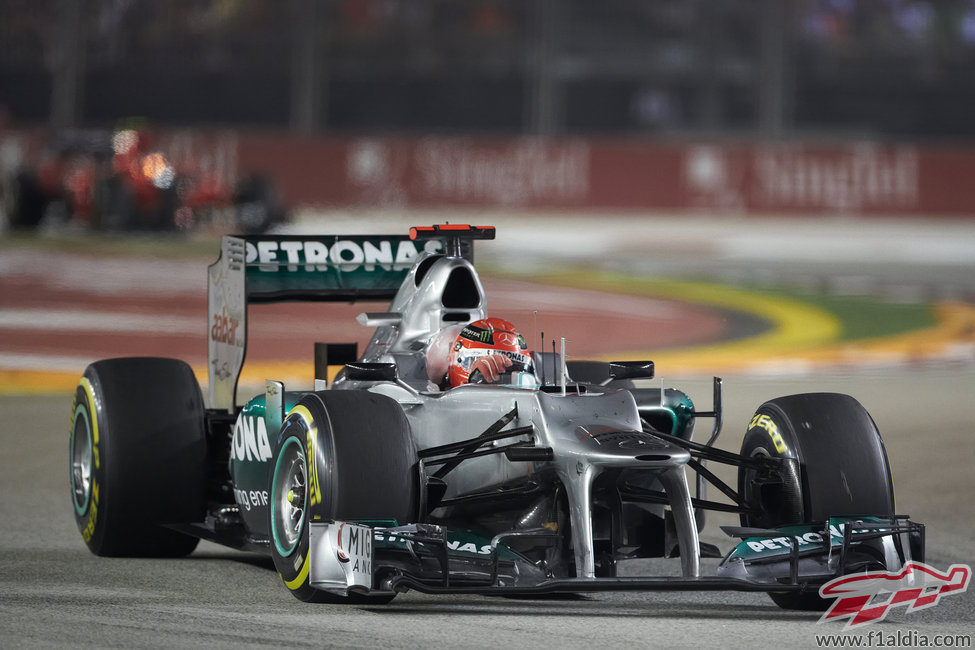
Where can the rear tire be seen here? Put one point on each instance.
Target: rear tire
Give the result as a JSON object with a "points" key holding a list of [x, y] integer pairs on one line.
{"points": [[361, 465], [842, 468], [137, 457]]}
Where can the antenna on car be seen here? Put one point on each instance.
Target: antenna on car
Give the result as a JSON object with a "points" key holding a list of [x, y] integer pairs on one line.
{"points": [[535, 325], [541, 357], [562, 374], [555, 370]]}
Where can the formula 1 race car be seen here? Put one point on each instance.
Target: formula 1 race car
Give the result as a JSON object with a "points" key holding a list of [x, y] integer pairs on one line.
{"points": [[375, 481]]}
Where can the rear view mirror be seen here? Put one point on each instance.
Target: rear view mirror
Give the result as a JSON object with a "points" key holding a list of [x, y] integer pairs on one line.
{"points": [[631, 369], [359, 371]]}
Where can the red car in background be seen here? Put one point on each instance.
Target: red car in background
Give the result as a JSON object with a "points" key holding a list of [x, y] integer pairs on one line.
{"points": [[125, 180]]}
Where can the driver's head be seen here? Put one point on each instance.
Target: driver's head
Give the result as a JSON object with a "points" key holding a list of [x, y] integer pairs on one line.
{"points": [[485, 349]]}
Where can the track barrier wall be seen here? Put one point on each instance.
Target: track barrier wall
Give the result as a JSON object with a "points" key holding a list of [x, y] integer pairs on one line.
{"points": [[775, 178], [799, 178]]}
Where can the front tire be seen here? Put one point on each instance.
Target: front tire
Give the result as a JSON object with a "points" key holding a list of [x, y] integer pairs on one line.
{"points": [[842, 468], [340, 455], [137, 455]]}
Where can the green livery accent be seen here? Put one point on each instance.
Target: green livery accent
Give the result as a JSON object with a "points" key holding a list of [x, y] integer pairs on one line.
{"points": [[331, 267], [810, 537], [250, 475], [683, 409], [465, 544], [675, 416], [256, 407]]}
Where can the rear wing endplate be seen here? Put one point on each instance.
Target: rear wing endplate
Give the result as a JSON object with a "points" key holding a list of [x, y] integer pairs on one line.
{"points": [[264, 269]]}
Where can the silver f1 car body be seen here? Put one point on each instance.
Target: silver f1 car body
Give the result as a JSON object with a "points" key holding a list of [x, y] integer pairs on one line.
{"points": [[381, 482]]}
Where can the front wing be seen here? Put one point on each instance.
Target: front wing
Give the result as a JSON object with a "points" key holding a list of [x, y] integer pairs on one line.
{"points": [[433, 559]]}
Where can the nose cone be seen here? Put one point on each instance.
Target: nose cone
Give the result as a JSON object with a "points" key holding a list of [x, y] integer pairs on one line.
{"points": [[611, 446]]}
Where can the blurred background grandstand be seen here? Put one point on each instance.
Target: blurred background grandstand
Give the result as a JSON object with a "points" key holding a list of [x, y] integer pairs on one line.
{"points": [[741, 106], [879, 68]]}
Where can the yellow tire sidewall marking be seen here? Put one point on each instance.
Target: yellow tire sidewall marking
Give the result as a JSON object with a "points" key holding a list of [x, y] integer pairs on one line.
{"points": [[299, 579], [768, 425], [314, 487], [89, 528]]}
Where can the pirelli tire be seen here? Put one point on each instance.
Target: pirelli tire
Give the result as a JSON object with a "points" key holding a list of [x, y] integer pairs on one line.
{"points": [[340, 455], [137, 457], [842, 468]]}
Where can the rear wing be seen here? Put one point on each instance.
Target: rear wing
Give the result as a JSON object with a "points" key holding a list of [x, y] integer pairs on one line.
{"points": [[324, 268]]}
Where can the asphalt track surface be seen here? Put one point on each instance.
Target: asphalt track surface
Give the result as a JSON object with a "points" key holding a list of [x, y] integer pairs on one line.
{"points": [[53, 592]]}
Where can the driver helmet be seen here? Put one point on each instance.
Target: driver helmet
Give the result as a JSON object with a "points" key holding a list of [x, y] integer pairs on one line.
{"points": [[483, 338]]}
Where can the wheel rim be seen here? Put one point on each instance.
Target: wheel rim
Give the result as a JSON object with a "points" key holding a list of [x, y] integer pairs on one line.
{"points": [[752, 494], [81, 461], [289, 497], [772, 497]]}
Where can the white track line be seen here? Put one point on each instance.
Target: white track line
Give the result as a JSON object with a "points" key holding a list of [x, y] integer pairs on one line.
{"points": [[107, 276], [91, 321], [44, 362]]}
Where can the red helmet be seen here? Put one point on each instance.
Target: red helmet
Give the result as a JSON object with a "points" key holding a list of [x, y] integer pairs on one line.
{"points": [[486, 337]]}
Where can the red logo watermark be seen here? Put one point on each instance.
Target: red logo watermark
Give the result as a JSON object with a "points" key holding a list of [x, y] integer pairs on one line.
{"points": [[917, 585]]}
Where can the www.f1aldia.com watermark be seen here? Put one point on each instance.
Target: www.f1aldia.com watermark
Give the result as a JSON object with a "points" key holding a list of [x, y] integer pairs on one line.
{"points": [[865, 598], [894, 639]]}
